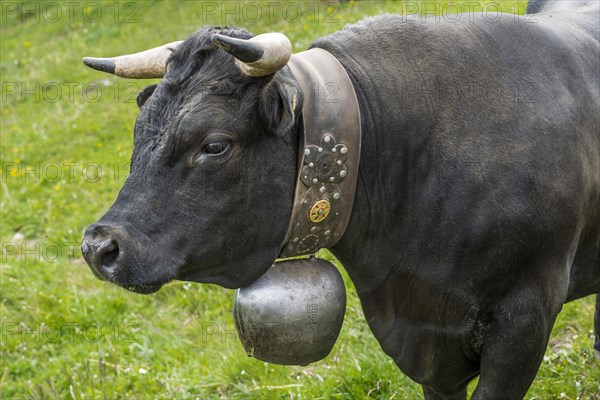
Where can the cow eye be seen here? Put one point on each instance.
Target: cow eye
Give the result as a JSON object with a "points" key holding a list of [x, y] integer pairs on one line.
{"points": [[216, 148]]}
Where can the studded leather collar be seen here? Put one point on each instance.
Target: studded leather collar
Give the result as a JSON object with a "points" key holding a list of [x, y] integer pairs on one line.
{"points": [[329, 153]]}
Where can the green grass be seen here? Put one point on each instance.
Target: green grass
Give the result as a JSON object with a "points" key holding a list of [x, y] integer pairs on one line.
{"points": [[67, 335]]}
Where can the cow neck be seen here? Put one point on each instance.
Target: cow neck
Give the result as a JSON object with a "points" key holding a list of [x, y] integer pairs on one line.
{"points": [[328, 154]]}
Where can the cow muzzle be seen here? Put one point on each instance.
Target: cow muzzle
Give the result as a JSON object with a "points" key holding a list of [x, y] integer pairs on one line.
{"points": [[109, 251], [100, 248]]}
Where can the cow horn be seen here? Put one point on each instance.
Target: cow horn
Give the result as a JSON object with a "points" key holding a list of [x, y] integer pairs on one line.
{"points": [[147, 64], [259, 56]]}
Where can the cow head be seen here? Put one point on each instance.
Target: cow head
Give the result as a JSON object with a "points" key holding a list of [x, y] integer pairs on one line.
{"points": [[211, 186]]}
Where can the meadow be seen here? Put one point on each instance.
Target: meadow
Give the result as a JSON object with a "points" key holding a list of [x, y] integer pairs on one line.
{"points": [[66, 139]]}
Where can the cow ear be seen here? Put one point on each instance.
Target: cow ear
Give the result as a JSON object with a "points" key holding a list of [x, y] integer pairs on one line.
{"points": [[145, 95], [279, 105]]}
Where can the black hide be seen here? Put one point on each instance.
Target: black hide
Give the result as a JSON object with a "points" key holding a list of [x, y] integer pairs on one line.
{"points": [[477, 213]]}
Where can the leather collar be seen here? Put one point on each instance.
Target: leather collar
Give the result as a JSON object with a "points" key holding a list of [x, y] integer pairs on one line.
{"points": [[329, 153]]}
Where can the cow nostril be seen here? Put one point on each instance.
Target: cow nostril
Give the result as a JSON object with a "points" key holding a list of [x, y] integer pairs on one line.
{"points": [[101, 247], [109, 256]]}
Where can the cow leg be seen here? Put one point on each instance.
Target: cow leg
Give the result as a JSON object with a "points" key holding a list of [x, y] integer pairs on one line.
{"points": [[513, 348], [431, 395], [597, 327]]}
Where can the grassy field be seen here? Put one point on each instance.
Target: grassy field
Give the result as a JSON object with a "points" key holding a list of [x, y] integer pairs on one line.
{"points": [[66, 142]]}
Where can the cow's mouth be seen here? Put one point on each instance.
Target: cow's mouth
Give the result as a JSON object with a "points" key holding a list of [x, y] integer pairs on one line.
{"points": [[144, 289]]}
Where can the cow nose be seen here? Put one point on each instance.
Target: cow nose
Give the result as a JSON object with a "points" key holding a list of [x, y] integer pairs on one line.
{"points": [[101, 250]]}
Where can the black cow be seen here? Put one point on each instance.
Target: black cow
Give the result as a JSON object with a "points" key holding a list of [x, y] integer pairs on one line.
{"points": [[477, 209]]}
